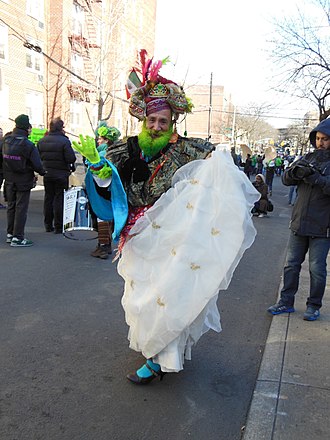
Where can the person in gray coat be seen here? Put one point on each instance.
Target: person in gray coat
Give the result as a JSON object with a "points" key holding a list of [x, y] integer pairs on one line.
{"points": [[310, 224]]}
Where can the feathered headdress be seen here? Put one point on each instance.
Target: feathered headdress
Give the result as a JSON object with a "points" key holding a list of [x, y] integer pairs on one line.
{"points": [[152, 92]]}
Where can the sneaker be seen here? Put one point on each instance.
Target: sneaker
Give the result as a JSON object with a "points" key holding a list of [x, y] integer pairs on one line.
{"points": [[3, 206], [16, 242], [311, 314], [9, 238], [279, 308], [261, 215]]}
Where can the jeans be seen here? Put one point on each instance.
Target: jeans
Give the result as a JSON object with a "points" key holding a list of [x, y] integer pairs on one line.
{"points": [[17, 208], [292, 194], [53, 201], [318, 251]]}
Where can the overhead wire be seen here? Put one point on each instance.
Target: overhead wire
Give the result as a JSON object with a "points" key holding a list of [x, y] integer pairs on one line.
{"points": [[38, 49]]}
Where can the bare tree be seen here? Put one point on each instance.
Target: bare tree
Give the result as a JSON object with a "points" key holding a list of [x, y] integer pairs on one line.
{"points": [[92, 44], [250, 125], [301, 50], [297, 136], [103, 58]]}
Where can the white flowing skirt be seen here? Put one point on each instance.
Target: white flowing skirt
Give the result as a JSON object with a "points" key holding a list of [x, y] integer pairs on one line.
{"points": [[182, 251]]}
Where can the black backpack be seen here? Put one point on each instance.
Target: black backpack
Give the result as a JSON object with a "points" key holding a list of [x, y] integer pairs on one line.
{"points": [[13, 153]]}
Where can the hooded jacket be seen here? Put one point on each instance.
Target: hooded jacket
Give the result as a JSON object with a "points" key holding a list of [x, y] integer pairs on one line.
{"points": [[311, 211]]}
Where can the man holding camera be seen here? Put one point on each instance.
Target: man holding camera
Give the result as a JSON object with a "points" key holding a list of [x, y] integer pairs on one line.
{"points": [[310, 224]]}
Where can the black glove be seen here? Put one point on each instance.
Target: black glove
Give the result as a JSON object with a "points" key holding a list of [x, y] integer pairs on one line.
{"points": [[314, 179], [301, 162], [301, 169]]}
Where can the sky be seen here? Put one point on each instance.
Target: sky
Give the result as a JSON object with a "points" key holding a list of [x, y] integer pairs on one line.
{"points": [[230, 40]]}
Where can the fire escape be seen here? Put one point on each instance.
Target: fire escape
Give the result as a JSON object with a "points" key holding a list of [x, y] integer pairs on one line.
{"points": [[82, 44]]}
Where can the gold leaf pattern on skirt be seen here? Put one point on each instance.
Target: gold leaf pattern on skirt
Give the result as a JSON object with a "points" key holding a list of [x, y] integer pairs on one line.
{"points": [[194, 266]]}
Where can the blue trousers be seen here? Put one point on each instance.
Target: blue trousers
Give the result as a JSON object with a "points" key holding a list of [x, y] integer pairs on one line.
{"points": [[318, 249], [292, 194]]}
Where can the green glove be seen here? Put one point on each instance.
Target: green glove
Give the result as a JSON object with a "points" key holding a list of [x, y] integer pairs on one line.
{"points": [[103, 173], [87, 148]]}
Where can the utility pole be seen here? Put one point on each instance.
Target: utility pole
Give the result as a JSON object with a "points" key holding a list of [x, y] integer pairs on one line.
{"points": [[210, 111], [233, 137]]}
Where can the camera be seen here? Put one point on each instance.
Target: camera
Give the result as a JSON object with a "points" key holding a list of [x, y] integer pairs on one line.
{"points": [[300, 171]]}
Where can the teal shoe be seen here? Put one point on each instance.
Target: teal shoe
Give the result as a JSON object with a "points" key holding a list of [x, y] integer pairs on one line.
{"points": [[147, 373]]}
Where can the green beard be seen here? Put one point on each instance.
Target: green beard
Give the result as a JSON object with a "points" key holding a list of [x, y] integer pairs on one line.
{"points": [[151, 146]]}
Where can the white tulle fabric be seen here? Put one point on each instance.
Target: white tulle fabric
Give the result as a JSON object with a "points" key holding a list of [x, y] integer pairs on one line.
{"points": [[183, 250]]}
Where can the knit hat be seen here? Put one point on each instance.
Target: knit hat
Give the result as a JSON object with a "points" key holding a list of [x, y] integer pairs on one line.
{"points": [[22, 121]]}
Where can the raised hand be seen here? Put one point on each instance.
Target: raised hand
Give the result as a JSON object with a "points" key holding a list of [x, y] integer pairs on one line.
{"points": [[87, 148]]}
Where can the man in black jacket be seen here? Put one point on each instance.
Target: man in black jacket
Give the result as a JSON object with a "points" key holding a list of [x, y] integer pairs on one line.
{"points": [[310, 224], [20, 160], [58, 158]]}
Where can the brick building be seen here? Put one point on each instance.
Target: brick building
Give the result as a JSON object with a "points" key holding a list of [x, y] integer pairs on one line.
{"points": [[212, 115], [70, 58]]}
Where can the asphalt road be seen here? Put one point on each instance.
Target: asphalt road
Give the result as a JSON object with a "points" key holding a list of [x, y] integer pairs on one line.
{"points": [[64, 353]]}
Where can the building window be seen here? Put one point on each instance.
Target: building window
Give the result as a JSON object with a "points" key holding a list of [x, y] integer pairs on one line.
{"points": [[4, 99], [33, 58], [77, 66], [35, 8], [34, 107], [3, 43], [75, 114], [78, 18]]}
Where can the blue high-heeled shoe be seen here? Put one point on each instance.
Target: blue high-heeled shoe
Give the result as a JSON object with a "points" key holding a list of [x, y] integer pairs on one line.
{"points": [[135, 378]]}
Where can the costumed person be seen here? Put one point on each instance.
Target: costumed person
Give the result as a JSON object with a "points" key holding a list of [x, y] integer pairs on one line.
{"points": [[104, 188], [189, 224], [106, 137]]}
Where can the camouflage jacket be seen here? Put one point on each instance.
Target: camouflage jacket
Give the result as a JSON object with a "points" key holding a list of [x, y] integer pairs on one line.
{"points": [[145, 182]]}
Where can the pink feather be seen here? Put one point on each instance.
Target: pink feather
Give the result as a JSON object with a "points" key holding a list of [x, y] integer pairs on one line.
{"points": [[154, 69]]}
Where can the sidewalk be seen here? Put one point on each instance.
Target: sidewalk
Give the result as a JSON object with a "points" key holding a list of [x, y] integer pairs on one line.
{"points": [[291, 400]]}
